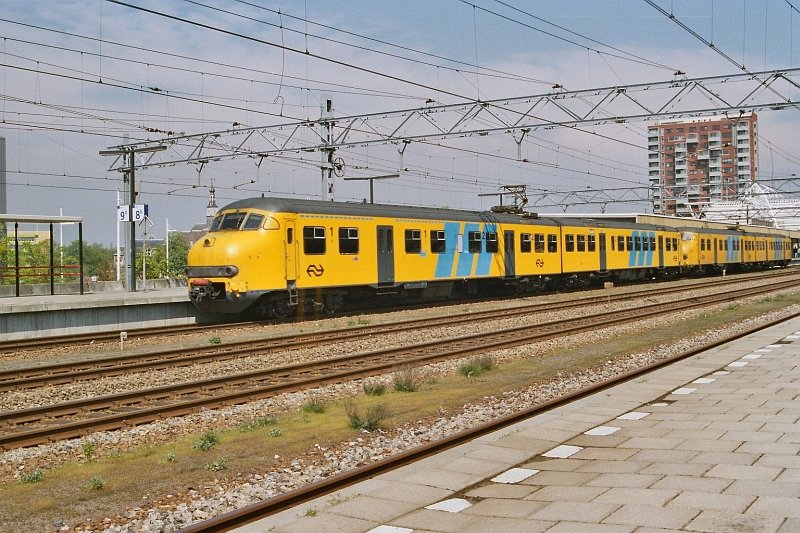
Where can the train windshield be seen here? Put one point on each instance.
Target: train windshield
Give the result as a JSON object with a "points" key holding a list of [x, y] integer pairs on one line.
{"points": [[228, 221]]}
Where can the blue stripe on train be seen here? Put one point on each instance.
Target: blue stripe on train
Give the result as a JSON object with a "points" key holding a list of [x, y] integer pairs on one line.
{"points": [[444, 262], [650, 251], [466, 259], [485, 258], [632, 252]]}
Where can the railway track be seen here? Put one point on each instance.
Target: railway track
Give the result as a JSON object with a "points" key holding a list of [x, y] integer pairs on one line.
{"points": [[62, 373], [311, 491], [38, 425], [78, 339]]}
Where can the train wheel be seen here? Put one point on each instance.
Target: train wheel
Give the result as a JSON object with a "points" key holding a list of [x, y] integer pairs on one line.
{"points": [[280, 310]]}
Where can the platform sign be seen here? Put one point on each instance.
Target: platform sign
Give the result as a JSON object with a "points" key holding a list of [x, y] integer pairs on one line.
{"points": [[139, 212]]}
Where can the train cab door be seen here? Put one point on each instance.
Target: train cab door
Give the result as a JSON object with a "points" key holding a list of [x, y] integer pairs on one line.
{"points": [[660, 251], [385, 255], [291, 252], [602, 247], [508, 254]]}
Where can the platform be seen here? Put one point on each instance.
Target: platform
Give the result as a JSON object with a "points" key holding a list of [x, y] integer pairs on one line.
{"points": [[26, 316], [710, 444]]}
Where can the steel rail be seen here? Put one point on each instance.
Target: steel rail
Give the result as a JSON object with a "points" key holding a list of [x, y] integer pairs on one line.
{"points": [[262, 509], [211, 393], [69, 372], [158, 331]]}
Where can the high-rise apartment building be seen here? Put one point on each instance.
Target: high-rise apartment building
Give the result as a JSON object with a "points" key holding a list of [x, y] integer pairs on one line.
{"points": [[695, 162]]}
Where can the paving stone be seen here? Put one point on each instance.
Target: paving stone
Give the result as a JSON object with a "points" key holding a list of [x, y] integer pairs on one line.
{"points": [[371, 509], [605, 454], [558, 465], [703, 484], [468, 465], [792, 525], [707, 501], [769, 447], [326, 523], [623, 480], [582, 527], [554, 493], [719, 521], [766, 473], [749, 487], [709, 445], [779, 460], [425, 519], [547, 477], [496, 525], [728, 458], [623, 496], [590, 512], [775, 506], [418, 494], [501, 490], [444, 479], [663, 456], [506, 508], [652, 443], [612, 467], [652, 516], [676, 469], [500, 454]]}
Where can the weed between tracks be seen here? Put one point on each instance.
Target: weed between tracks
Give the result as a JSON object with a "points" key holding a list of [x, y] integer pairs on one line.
{"points": [[106, 486]]}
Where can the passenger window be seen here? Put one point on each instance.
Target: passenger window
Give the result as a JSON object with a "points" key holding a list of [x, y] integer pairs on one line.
{"points": [[621, 243], [702, 245], [525, 243], [491, 242], [637, 243], [313, 240], [413, 241], [474, 242], [538, 243], [668, 245], [348, 241], [569, 243], [552, 243], [581, 243], [652, 244], [629, 243], [437, 242], [591, 244]]}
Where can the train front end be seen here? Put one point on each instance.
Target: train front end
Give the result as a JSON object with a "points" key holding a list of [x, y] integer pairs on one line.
{"points": [[237, 262]]}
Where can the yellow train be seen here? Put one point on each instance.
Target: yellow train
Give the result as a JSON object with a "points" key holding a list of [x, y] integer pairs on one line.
{"points": [[272, 257]]}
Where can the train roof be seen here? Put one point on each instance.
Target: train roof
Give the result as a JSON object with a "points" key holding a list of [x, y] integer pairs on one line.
{"points": [[344, 209]]}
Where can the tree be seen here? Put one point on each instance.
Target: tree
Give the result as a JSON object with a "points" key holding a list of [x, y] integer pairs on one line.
{"points": [[97, 260], [178, 252]]}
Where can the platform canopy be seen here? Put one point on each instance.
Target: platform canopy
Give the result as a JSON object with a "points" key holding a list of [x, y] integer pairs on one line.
{"points": [[39, 219]]}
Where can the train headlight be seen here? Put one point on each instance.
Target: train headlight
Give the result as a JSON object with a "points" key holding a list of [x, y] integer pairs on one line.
{"points": [[227, 271]]}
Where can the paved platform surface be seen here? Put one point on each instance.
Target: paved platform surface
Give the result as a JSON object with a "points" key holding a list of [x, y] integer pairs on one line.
{"points": [[710, 444], [27, 304]]}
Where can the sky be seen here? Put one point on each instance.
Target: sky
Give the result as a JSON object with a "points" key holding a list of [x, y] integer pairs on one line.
{"points": [[82, 76]]}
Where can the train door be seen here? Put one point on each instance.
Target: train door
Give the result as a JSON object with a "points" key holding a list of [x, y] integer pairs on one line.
{"points": [[291, 252], [385, 255], [660, 251], [508, 253], [603, 259], [716, 250]]}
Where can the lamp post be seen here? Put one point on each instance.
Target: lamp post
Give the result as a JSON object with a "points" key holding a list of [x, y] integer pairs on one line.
{"points": [[130, 250]]}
